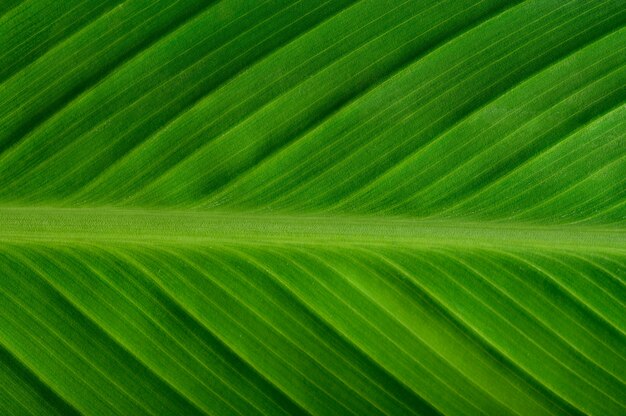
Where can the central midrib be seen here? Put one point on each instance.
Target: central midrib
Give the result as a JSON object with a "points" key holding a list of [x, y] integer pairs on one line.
{"points": [[172, 226]]}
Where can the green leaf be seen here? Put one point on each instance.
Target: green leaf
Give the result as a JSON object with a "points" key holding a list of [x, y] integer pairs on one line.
{"points": [[312, 207]]}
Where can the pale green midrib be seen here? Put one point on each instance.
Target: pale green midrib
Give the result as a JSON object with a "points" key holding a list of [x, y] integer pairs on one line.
{"points": [[171, 226]]}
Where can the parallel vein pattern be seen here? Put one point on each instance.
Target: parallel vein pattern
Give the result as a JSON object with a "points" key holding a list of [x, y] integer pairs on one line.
{"points": [[245, 329], [331, 112], [350, 207]]}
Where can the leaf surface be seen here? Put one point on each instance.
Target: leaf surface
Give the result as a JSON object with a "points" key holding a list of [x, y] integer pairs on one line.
{"points": [[299, 207]]}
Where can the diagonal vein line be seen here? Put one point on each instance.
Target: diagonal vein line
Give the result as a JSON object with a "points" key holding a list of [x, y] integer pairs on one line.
{"points": [[409, 94], [67, 98], [328, 325], [37, 384], [111, 337], [128, 134], [350, 100], [201, 322], [476, 335]]}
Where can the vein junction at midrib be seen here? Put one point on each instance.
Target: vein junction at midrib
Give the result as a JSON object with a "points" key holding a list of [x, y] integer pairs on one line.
{"points": [[23, 224]]}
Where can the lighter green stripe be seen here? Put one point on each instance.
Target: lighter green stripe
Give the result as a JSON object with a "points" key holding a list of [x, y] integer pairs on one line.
{"points": [[160, 226]]}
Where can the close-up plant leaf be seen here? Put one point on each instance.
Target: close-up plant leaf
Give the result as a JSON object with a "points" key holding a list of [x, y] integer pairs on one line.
{"points": [[339, 207]]}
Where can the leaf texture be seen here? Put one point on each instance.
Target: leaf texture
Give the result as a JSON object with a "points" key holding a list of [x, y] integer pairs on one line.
{"points": [[313, 207]]}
